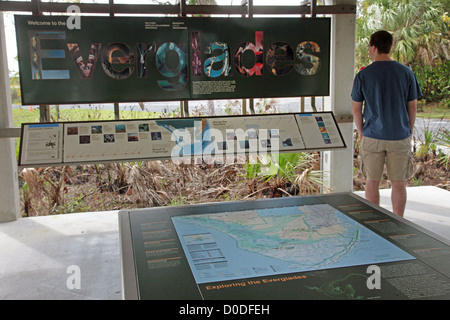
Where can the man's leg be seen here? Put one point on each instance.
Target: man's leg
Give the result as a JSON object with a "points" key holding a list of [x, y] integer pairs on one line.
{"points": [[400, 168], [372, 192], [372, 165], [398, 197]]}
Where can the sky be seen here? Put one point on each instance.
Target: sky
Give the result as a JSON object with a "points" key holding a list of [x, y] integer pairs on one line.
{"points": [[11, 34], [11, 42]]}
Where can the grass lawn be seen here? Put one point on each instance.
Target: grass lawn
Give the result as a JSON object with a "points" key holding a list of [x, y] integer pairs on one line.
{"points": [[27, 115], [434, 110]]}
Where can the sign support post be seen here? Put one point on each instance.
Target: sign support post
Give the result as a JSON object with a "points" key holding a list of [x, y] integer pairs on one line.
{"points": [[9, 188], [340, 163]]}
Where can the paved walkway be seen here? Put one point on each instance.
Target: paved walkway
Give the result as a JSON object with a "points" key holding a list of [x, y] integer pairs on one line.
{"points": [[428, 207]]}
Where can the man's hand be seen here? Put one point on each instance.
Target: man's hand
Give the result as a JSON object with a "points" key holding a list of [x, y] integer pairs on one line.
{"points": [[412, 111], [357, 116]]}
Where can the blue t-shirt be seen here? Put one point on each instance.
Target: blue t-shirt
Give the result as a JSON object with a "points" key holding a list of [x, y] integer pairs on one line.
{"points": [[386, 87]]}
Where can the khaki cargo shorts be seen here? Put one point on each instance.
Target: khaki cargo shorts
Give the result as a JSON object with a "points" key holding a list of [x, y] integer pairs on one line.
{"points": [[395, 153]]}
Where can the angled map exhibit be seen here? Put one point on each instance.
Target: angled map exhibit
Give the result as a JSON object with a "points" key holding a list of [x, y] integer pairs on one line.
{"points": [[309, 247]]}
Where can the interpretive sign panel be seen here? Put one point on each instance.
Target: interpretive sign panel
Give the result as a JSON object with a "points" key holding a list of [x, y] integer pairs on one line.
{"points": [[44, 143], [208, 138], [335, 246], [126, 59]]}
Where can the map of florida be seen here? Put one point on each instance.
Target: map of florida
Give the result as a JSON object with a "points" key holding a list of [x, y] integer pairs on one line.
{"points": [[281, 240]]}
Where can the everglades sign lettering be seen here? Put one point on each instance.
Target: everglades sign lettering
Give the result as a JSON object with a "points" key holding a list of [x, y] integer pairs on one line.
{"points": [[123, 59]]}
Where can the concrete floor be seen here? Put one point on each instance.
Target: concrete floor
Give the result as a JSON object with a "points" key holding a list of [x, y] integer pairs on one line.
{"points": [[37, 253], [428, 207]]}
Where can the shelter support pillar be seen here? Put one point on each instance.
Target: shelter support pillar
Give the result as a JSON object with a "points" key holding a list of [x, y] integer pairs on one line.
{"points": [[9, 185], [338, 165]]}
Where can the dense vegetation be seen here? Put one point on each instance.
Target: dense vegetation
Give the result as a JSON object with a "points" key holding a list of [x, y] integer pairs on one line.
{"points": [[421, 39]]}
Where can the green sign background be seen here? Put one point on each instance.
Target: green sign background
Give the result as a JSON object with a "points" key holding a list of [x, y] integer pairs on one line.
{"points": [[124, 59]]}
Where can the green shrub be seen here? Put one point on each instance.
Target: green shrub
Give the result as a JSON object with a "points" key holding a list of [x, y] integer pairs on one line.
{"points": [[434, 81]]}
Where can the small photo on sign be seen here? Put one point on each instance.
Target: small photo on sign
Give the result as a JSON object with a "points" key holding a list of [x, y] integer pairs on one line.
{"points": [[143, 127], [96, 129], [121, 128], [72, 131], [156, 135], [133, 137], [85, 139], [108, 138]]}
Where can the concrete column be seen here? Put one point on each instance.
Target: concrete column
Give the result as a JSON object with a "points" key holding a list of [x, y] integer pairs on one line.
{"points": [[339, 164], [9, 186]]}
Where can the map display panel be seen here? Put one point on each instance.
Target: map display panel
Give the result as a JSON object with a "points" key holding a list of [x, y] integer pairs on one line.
{"points": [[263, 242], [307, 248]]}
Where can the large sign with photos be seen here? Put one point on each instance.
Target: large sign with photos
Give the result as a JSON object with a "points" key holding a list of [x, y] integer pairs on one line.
{"points": [[123, 59]]}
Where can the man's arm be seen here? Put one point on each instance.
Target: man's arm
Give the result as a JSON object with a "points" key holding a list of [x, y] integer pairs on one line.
{"points": [[357, 116], [412, 111]]}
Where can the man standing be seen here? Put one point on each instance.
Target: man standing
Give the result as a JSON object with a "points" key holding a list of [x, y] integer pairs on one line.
{"points": [[389, 91]]}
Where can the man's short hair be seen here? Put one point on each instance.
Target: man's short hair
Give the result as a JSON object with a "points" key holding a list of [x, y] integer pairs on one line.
{"points": [[382, 40]]}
